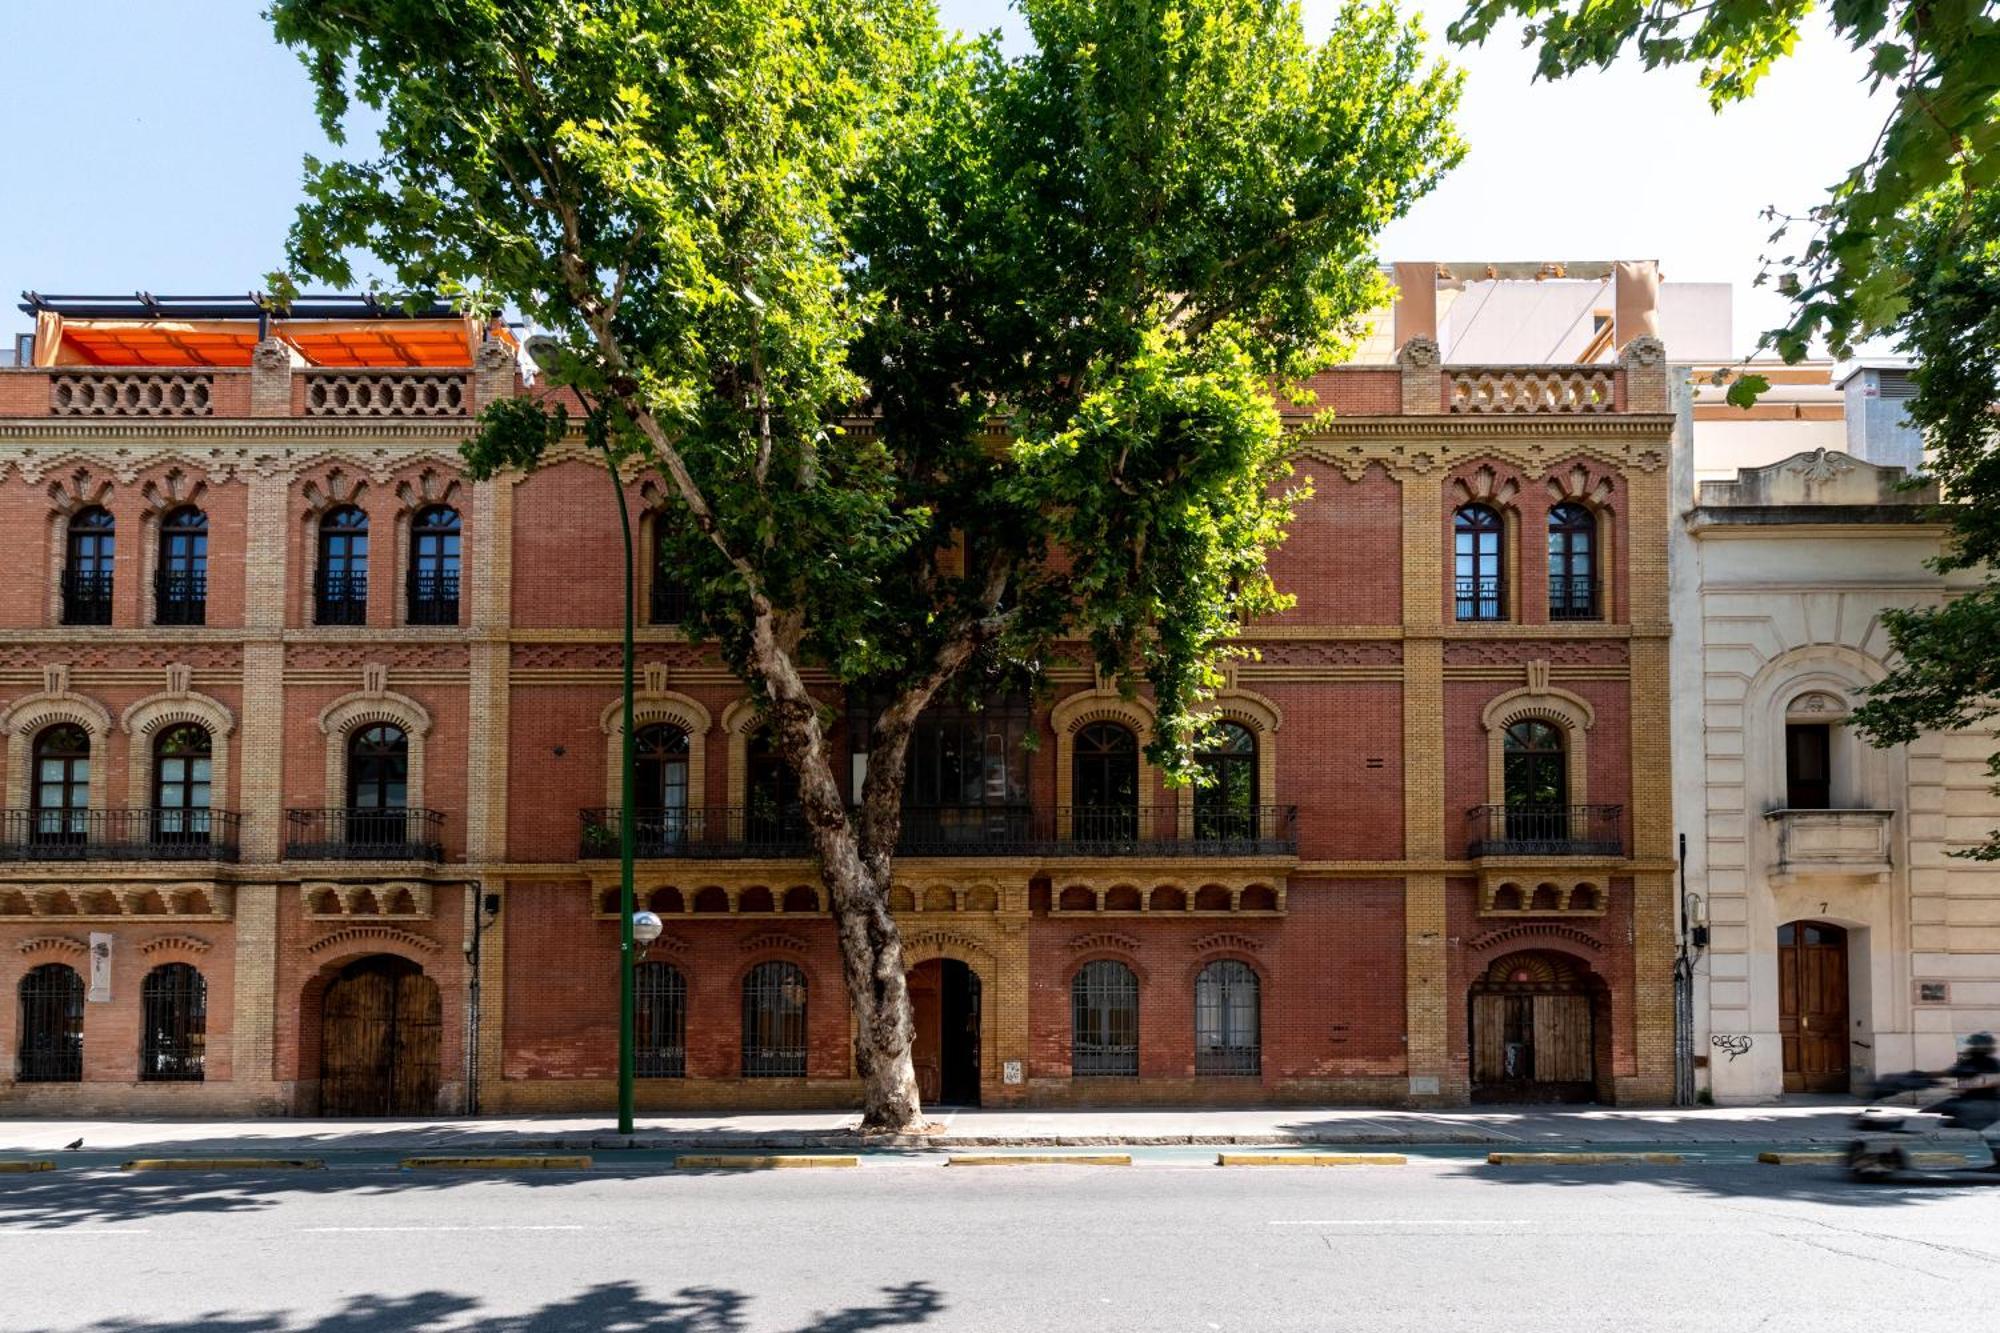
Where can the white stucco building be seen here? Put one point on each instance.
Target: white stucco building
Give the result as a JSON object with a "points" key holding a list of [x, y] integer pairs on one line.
{"points": [[1842, 938]]}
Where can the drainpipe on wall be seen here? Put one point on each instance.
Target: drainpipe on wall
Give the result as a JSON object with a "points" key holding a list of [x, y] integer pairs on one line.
{"points": [[484, 910]]}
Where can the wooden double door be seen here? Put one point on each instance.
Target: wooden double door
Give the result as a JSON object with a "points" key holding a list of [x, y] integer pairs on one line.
{"points": [[380, 1023], [944, 1009], [1812, 1006], [1532, 1046]]}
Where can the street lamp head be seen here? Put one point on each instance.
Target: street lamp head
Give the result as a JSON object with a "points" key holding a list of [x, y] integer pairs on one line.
{"points": [[646, 928]]}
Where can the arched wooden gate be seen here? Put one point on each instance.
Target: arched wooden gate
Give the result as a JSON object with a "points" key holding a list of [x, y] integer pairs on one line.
{"points": [[1534, 1030], [380, 1022]]}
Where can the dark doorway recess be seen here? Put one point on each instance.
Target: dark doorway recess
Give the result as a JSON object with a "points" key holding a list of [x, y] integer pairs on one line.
{"points": [[944, 1002], [380, 1021]]}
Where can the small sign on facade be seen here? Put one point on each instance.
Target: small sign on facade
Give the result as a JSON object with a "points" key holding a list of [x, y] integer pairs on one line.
{"points": [[1010, 1071], [100, 968], [1933, 992]]}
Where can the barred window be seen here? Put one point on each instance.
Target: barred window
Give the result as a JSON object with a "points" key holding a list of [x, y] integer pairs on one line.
{"points": [[774, 1021], [173, 1034], [1104, 1020], [52, 1025], [659, 1021], [1227, 1033]]}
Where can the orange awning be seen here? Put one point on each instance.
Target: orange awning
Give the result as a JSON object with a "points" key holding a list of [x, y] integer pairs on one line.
{"points": [[327, 342]]}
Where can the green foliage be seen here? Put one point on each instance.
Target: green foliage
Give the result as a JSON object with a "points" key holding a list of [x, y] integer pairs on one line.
{"points": [[952, 358]]}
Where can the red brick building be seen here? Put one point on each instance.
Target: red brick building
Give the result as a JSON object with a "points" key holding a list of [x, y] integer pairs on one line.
{"points": [[310, 778]]}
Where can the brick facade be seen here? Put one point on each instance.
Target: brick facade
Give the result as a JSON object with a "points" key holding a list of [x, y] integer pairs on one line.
{"points": [[1372, 706]]}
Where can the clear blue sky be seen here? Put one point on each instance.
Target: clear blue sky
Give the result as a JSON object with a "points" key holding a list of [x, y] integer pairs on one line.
{"points": [[156, 145]]}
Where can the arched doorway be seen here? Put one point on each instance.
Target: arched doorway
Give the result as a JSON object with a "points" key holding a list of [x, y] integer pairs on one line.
{"points": [[1534, 1028], [1812, 1006], [379, 1027], [944, 1004]]}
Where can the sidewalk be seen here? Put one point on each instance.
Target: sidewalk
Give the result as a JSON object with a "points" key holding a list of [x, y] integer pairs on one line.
{"points": [[1537, 1125]]}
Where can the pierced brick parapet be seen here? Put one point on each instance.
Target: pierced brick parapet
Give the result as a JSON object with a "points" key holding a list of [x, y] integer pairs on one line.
{"points": [[131, 393], [399, 393], [1532, 389]]}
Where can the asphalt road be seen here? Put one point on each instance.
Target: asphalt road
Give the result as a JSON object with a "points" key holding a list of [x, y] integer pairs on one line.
{"points": [[1439, 1244]]}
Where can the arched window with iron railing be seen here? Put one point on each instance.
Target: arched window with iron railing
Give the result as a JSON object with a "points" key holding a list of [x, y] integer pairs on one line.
{"points": [[1104, 1021], [1479, 575], [340, 584], [180, 584], [1225, 799], [1104, 784], [183, 759], [1228, 1026], [659, 1020], [378, 776], [434, 550], [668, 603], [61, 793], [1535, 777], [89, 559], [773, 814], [51, 1038], [774, 1021], [173, 1024], [1574, 591]]}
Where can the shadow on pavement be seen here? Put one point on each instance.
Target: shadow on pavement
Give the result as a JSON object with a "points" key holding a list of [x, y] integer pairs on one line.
{"points": [[620, 1306], [1746, 1181]]}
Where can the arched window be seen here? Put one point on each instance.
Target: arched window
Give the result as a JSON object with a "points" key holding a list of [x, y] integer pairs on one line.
{"points": [[774, 1021], [1104, 784], [340, 585], [1104, 1021], [180, 586], [378, 776], [434, 567], [52, 1025], [62, 784], [181, 768], [1225, 802], [1573, 590], [1479, 578], [86, 581], [659, 1021], [669, 602], [774, 814], [1536, 776], [173, 1031], [1227, 1031], [660, 787]]}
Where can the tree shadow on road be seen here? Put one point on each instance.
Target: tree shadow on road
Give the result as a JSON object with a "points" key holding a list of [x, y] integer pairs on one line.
{"points": [[614, 1307], [1741, 1181]]}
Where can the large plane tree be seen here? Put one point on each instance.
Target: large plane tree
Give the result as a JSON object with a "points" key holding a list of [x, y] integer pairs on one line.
{"points": [[1063, 289]]}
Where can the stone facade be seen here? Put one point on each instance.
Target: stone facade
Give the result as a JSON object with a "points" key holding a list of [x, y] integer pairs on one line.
{"points": [[1372, 910], [1843, 938]]}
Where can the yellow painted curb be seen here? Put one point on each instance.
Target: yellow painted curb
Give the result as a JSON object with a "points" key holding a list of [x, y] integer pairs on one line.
{"points": [[17, 1166], [726, 1162], [1801, 1158], [224, 1164], [1938, 1158], [1581, 1158], [1311, 1159], [497, 1163], [1042, 1159]]}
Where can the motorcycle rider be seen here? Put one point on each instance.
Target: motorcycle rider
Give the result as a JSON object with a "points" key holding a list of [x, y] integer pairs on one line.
{"points": [[1975, 1103]]}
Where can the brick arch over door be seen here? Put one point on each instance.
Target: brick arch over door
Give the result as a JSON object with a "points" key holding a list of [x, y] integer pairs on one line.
{"points": [[342, 718]]}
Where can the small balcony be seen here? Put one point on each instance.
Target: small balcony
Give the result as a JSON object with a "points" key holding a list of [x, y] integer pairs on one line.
{"points": [[1562, 830], [119, 835], [993, 830], [1483, 598], [364, 835], [86, 597], [180, 597], [433, 598], [340, 597], [1572, 598], [1842, 844]]}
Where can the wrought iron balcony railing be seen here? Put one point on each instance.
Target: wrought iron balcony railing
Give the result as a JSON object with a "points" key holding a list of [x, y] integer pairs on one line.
{"points": [[86, 597], [1558, 830], [119, 835], [180, 597], [340, 597], [434, 598], [969, 830], [1574, 598], [1481, 598], [393, 834]]}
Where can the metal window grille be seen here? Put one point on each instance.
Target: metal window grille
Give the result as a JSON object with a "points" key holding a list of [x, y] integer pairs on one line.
{"points": [[774, 1022], [433, 597], [1104, 1021], [173, 1037], [180, 597], [1227, 1035], [86, 597], [659, 1021], [340, 598], [52, 1025]]}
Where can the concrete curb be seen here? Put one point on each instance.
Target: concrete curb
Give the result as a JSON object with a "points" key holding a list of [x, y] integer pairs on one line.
{"points": [[224, 1164], [18, 1166], [1582, 1158], [727, 1162], [1311, 1159], [1042, 1159], [495, 1163]]}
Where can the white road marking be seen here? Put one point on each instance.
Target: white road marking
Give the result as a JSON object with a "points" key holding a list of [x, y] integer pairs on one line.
{"points": [[1402, 1222], [321, 1231]]}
